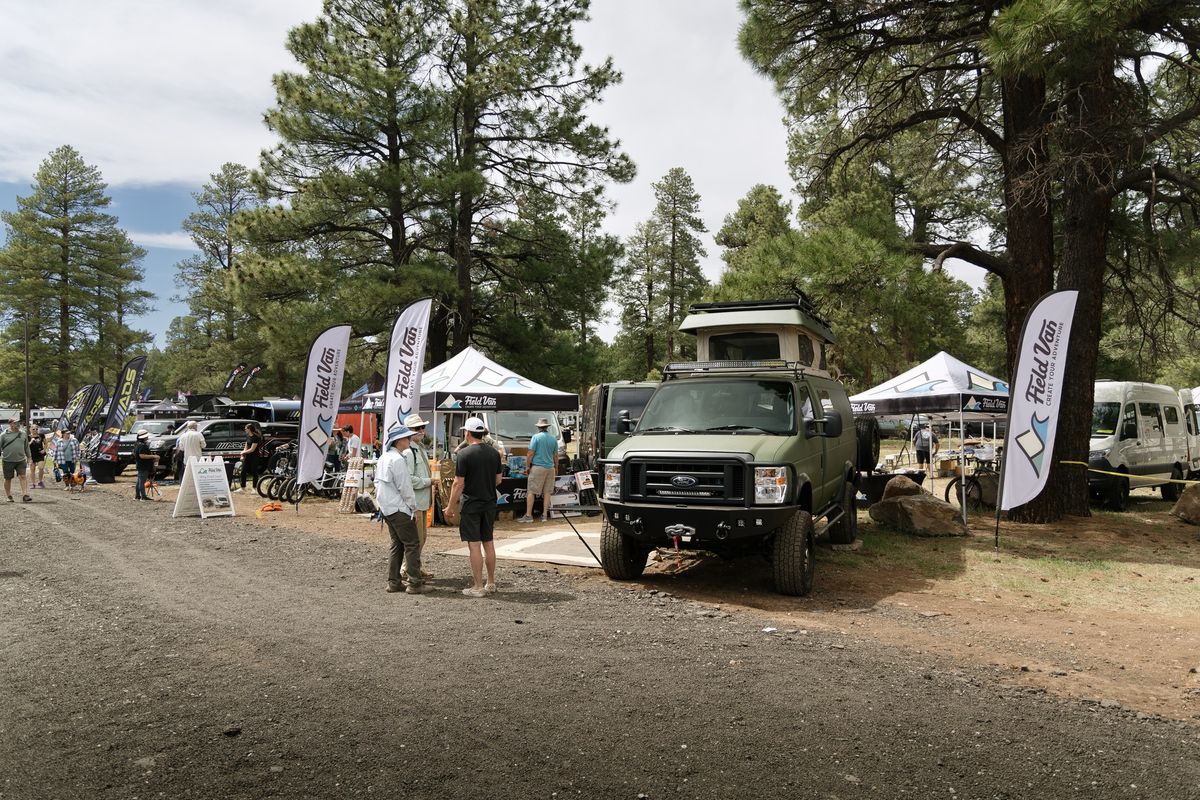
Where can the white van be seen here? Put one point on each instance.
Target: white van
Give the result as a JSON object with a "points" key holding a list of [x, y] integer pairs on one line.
{"points": [[1191, 414], [1138, 430]]}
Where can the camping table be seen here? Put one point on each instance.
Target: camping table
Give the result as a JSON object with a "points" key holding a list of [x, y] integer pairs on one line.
{"points": [[562, 510]]}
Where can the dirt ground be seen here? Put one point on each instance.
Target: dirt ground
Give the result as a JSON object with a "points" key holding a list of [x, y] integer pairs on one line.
{"points": [[1105, 608], [148, 657]]}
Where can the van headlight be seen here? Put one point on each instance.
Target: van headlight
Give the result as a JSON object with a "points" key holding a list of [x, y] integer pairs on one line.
{"points": [[1096, 455], [612, 481], [770, 485]]}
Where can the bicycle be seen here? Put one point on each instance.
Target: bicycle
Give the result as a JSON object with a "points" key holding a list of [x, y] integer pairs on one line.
{"points": [[969, 489]]}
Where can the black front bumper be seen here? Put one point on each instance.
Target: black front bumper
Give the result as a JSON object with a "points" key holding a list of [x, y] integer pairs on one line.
{"points": [[701, 527], [1098, 483]]}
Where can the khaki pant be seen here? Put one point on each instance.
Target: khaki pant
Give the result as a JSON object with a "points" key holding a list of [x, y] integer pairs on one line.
{"points": [[421, 519]]}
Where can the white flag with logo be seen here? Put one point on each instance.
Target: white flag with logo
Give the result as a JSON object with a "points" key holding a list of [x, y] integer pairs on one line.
{"points": [[319, 403], [406, 357], [1036, 393]]}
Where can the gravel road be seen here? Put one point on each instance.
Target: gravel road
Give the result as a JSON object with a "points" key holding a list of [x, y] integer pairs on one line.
{"points": [[147, 657]]}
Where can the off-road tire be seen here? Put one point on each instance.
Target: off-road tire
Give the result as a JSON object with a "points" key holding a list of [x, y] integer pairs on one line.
{"points": [[792, 555], [866, 432], [621, 557], [1171, 491], [845, 530]]}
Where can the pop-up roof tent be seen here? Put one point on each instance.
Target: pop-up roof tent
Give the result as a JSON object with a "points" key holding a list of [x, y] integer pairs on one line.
{"points": [[942, 387]]}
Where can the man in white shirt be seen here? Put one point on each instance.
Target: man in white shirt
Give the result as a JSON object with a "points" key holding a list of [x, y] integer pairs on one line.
{"points": [[191, 443], [353, 443], [394, 493]]}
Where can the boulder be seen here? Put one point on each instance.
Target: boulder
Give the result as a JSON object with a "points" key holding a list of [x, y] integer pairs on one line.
{"points": [[919, 514], [1187, 507], [900, 486]]}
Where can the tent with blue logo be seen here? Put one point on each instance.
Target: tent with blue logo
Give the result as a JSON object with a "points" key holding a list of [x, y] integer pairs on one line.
{"points": [[941, 388]]}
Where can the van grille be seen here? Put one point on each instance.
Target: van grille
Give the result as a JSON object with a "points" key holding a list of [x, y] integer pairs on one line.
{"points": [[695, 482]]}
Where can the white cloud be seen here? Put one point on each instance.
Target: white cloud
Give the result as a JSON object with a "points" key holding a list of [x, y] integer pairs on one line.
{"points": [[173, 240], [149, 91]]}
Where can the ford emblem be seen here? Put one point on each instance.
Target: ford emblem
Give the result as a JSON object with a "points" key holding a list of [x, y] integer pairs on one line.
{"points": [[683, 481]]}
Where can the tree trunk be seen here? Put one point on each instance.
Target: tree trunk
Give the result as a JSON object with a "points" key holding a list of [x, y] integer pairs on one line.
{"points": [[464, 322], [1087, 207]]}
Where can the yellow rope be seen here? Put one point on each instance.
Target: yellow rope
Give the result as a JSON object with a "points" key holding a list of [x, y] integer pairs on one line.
{"points": [[1125, 474]]}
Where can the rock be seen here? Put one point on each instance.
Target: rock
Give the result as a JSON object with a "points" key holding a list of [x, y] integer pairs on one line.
{"points": [[900, 486], [1187, 507], [919, 514], [1107, 703], [232, 730]]}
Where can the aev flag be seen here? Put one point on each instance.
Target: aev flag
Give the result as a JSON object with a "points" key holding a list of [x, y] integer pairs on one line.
{"points": [[1036, 390], [319, 403], [406, 357], [124, 399]]}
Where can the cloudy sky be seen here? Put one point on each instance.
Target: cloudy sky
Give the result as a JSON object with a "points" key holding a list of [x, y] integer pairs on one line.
{"points": [[159, 93]]}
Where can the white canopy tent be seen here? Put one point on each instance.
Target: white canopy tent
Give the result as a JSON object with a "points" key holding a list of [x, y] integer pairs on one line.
{"points": [[941, 388]]}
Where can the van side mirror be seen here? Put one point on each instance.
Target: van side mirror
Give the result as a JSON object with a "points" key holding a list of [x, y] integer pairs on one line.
{"points": [[833, 424], [1129, 430], [567, 435], [624, 423]]}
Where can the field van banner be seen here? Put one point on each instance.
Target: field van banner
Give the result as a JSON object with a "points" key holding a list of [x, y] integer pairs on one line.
{"points": [[123, 400], [233, 373], [319, 403], [1035, 397], [406, 357], [250, 376], [74, 408], [92, 409]]}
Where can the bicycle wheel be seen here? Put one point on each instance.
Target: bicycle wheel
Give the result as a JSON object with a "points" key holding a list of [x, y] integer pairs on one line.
{"points": [[974, 494], [263, 483], [274, 486], [296, 492]]}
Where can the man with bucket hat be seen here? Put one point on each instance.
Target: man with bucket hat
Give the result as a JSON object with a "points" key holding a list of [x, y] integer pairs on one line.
{"points": [[543, 454], [477, 473], [394, 493], [417, 461]]}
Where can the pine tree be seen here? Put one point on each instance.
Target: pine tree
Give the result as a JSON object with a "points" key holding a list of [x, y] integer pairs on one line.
{"points": [[677, 212]]}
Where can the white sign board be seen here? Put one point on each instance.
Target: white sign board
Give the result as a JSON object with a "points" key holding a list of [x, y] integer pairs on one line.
{"points": [[204, 490], [565, 494]]}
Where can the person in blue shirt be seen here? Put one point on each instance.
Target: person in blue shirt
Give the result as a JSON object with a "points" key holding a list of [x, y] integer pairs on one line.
{"points": [[543, 453]]}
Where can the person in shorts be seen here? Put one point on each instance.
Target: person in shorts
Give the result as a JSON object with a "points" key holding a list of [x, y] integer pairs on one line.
{"points": [[923, 440], [14, 449], [477, 473], [543, 452]]}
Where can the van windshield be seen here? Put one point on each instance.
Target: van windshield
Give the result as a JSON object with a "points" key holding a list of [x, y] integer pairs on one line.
{"points": [[733, 405], [510, 425], [1104, 418]]}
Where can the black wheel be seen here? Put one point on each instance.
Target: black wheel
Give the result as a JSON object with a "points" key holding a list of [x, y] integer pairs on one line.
{"points": [[295, 491], [792, 555], [274, 486], [1171, 491], [263, 483], [845, 530], [866, 431], [1118, 495], [622, 558], [974, 494]]}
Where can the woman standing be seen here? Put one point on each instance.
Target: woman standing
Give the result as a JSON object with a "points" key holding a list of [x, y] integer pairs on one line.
{"points": [[252, 456], [37, 467]]}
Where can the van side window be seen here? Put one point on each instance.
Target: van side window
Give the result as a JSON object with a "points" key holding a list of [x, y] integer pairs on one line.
{"points": [[1129, 422], [826, 400], [1171, 415], [805, 401], [1152, 414]]}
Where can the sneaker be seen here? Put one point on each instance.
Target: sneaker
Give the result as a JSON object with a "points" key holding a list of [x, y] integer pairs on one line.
{"points": [[526, 518], [10, 499], [416, 588], [490, 588], [26, 499], [392, 588], [471, 591]]}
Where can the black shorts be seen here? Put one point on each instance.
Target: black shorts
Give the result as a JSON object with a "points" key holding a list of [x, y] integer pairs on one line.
{"points": [[476, 526], [12, 469], [922, 457]]}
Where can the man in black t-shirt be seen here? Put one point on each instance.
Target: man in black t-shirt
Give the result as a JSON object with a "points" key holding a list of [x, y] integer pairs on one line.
{"points": [[145, 461], [477, 473]]}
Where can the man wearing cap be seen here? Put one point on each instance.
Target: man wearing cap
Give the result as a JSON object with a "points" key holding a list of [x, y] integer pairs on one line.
{"points": [[922, 440], [394, 493], [145, 461], [417, 462], [14, 444], [543, 450], [477, 473]]}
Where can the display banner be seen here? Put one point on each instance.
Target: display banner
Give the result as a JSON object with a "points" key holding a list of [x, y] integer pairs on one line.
{"points": [[204, 490], [74, 408], [92, 410], [123, 399], [1036, 393], [319, 403], [257, 369], [233, 373], [406, 358]]}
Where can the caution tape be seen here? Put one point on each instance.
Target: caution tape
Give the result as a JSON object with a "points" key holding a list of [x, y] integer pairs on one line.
{"points": [[1126, 474]]}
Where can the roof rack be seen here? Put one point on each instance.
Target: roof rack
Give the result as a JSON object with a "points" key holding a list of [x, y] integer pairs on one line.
{"points": [[678, 368], [801, 301]]}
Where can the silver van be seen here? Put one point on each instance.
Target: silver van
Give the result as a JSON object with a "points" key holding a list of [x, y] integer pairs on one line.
{"points": [[1140, 438]]}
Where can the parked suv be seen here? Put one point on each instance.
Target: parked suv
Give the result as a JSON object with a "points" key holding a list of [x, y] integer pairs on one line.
{"points": [[738, 455], [222, 437], [125, 445]]}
